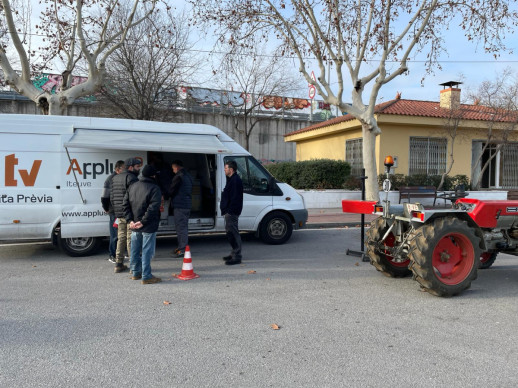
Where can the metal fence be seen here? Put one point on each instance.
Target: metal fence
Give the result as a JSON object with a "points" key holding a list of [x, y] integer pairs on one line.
{"points": [[427, 155], [509, 166], [354, 155]]}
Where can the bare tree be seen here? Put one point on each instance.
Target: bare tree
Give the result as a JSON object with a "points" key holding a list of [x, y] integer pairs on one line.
{"points": [[368, 43], [451, 130], [74, 31], [256, 76], [499, 99], [145, 72]]}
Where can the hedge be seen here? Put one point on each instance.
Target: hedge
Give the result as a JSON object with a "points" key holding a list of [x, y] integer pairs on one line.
{"points": [[399, 180], [322, 174], [312, 174]]}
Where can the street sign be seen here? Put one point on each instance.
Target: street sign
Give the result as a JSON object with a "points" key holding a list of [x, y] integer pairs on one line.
{"points": [[313, 76], [312, 92]]}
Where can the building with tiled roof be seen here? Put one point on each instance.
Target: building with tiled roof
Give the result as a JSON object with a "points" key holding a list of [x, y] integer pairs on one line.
{"points": [[417, 134]]}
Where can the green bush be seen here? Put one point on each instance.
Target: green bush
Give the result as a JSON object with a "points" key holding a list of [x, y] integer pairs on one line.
{"points": [[399, 180], [352, 183], [312, 174]]}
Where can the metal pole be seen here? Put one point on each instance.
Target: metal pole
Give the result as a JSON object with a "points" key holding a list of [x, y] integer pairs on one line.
{"points": [[362, 178], [362, 252]]}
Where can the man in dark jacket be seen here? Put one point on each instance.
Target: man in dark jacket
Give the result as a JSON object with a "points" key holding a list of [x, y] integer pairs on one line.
{"points": [[231, 206], [142, 212], [120, 184], [181, 194], [108, 208]]}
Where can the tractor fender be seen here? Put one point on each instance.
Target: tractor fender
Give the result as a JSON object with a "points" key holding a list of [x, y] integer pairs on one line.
{"points": [[464, 217]]}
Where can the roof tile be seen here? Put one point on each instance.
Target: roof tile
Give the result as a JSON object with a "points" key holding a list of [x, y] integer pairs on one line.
{"points": [[422, 109]]}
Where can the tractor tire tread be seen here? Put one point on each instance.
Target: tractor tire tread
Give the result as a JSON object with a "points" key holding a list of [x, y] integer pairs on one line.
{"points": [[423, 241]]}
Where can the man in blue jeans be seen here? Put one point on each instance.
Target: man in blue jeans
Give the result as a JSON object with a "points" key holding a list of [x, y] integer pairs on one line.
{"points": [[142, 211], [108, 208]]}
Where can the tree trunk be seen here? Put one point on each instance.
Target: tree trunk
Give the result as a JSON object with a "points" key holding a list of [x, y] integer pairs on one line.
{"points": [[369, 161], [443, 176], [57, 105], [247, 141]]}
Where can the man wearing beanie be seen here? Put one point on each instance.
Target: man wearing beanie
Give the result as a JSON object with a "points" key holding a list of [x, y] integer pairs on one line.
{"points": [[142, 212], [120, 185]]}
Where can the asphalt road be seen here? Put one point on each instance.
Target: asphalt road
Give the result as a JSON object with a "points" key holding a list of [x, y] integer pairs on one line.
{"points": [[68, 322]]}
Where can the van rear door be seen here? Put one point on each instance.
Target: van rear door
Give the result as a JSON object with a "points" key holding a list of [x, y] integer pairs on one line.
{"points": [[29, 184]]}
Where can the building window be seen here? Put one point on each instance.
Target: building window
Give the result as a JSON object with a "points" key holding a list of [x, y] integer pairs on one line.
{"points": [[509, 174], [498, 163], [354, 155], [427, 156]]}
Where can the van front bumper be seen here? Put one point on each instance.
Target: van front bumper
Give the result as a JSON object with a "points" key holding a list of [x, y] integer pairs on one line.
{"points": [[300, 218]]}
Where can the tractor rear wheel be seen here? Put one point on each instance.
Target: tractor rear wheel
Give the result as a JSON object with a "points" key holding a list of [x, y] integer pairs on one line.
{"points": [[487, 259], [383, 262], [445, 256]]}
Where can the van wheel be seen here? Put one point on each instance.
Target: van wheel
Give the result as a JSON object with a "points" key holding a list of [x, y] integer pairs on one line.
{"points": [[275, 228], [79, 246]]}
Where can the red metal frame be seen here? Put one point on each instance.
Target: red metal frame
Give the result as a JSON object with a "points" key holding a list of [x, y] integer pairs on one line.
{"points": [[359, 207], [486, 212]]}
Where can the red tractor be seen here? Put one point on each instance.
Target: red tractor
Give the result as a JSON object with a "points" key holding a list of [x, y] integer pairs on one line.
{"points": [[441, 248]]}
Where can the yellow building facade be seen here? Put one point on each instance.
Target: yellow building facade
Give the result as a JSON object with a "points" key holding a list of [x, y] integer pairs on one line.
{"points": [[419, 134]]}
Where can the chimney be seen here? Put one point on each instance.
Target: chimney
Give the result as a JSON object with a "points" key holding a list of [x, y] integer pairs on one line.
{"points": [[450, 95]]}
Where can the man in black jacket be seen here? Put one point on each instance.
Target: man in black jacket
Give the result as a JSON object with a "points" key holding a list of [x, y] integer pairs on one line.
{"points": [[142, 212], [181, 194], [231, 205], [108, 208], [120, 185]]}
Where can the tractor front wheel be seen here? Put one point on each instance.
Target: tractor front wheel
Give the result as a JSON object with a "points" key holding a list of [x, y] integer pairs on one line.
{"points": [[445, 256], [379, 254]]}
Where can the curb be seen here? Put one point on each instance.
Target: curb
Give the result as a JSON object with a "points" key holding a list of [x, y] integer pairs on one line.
{"points": [[330, 225]]}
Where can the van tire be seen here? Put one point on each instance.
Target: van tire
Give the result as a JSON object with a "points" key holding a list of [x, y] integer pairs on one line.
{"points": [[79, 246], [275, 228]]}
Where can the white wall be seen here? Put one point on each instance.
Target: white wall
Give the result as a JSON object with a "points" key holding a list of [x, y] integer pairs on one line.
{"points": [[326, 199]]}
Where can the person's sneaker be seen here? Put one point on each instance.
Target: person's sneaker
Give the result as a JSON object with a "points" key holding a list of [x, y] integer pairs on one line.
{"points": [[180, 253], [137, 277], [233, 261], [120, 268], [111, 259], [175, 253], [227, 258], [152, 280]]}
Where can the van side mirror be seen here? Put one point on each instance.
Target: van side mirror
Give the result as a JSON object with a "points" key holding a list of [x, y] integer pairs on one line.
{"points": [[264, 184]]}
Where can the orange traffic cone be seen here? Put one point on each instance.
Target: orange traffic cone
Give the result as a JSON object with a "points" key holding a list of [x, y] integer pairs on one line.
{"points": [[187, 269]]}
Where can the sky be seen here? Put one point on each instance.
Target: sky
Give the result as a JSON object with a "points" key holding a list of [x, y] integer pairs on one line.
{"points": [[464, 62]]}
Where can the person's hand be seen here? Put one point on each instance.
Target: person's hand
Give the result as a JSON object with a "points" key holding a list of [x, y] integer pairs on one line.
{"points": [[132, 225], [137, 225]]}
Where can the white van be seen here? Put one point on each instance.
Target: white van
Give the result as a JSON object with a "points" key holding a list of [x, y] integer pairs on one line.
{"points": [[54, 168]]}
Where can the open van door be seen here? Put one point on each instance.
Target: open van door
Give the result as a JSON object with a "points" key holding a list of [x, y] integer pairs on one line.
{"points": [[90, 157]]}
